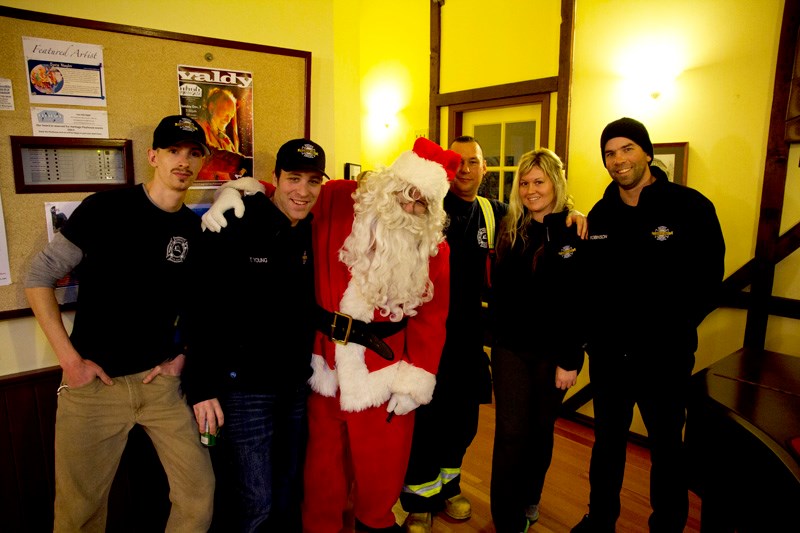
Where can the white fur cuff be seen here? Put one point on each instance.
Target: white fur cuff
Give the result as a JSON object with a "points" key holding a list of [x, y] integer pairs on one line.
{"points": [[414, 381], [323, 380]]}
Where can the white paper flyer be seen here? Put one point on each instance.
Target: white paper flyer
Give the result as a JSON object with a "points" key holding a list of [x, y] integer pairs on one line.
{"points": [[5, 274], [64, 72]]}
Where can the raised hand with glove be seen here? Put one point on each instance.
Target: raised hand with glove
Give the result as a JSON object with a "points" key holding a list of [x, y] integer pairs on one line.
{"points": [[229, 196]]}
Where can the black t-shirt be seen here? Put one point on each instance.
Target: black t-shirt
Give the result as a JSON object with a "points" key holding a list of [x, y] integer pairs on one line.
{"points": [[135, 278]]}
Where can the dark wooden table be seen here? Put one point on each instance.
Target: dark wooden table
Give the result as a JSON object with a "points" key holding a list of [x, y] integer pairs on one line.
{"points": [[743, 413]]}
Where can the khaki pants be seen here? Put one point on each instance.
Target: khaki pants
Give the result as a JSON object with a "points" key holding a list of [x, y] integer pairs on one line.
{"points": [[92, 425]]}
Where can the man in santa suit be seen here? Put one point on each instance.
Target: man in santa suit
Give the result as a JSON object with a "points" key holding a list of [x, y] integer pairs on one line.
{"points": [[382, 281]]}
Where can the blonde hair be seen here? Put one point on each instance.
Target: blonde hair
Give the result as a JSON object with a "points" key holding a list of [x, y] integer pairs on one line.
{"points": [[518, 217]]}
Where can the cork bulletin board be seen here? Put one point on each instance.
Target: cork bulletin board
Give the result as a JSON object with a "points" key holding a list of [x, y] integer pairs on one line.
{"points": [[141, 87]]}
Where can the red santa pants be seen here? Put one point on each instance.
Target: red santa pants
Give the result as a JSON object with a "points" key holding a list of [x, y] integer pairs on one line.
{"points": [[344, 447]]}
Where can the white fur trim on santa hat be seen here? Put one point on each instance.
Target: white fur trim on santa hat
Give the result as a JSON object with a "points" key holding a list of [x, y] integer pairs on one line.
{"points": [[426, 175]]}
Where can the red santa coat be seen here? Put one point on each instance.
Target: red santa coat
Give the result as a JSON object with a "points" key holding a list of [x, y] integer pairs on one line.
{"points": [[363, 378]]}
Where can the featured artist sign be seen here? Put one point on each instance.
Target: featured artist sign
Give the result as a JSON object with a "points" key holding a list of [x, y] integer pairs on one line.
{"points": [[64, 72]]}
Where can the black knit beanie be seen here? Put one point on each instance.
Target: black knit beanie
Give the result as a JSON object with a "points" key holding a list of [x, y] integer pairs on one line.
{"points": [[630, 129]]}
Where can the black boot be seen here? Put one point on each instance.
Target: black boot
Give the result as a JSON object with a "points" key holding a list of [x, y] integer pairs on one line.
{"points": [[589, 525]]}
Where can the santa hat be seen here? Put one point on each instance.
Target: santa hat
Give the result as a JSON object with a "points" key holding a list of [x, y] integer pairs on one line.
{"points": [[428, 167]]}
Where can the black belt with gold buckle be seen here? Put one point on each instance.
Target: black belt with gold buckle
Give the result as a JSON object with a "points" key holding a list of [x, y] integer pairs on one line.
{"points": [[342, 329]]}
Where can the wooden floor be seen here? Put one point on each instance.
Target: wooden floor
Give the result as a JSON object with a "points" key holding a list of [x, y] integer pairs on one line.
{"points": [[566, 490]]}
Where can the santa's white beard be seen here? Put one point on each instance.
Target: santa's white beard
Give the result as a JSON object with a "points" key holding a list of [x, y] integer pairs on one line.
{"points": [[388, 258]]}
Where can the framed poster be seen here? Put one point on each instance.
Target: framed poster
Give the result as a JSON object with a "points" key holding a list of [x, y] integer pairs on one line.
{"points": [[673, 159]]}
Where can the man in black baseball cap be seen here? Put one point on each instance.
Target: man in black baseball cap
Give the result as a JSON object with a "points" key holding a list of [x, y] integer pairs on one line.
{"points": [[176, 129], [303, 158], [270, 250], [137, 248]]}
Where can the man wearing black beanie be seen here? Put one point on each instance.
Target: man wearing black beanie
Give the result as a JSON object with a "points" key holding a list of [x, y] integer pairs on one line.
{"points": [[655, 266]]}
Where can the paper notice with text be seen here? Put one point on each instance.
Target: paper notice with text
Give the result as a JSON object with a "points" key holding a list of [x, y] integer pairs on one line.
{"points": [[64, 72]]}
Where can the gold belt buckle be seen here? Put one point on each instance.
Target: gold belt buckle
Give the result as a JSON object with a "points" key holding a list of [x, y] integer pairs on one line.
{"points": [[336, 316]]}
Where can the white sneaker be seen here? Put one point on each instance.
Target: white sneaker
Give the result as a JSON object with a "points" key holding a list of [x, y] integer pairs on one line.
{"points": [[532, 513]]}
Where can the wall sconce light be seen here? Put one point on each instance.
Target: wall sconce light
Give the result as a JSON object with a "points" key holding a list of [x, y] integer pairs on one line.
{"points": [[383, 101], [652, 69]]}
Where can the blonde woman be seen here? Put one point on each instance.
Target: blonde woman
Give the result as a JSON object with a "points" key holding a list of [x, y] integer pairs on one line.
{"points": [[535, 356]]}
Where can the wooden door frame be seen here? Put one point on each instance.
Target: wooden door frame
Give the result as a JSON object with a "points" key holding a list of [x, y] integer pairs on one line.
{"points": [[456, 113], [771, 246], [541, 87]]}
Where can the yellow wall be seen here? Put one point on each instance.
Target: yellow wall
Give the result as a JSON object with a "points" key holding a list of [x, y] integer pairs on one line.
{"points": [[345, 87], [394, 68], [503, 41]]}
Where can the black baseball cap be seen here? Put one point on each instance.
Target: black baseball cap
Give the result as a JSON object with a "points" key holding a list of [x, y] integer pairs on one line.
{"points": [[300, 154], [177, 129]]}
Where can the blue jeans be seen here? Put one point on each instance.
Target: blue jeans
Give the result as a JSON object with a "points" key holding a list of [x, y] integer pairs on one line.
{"points": [[265, 440]]}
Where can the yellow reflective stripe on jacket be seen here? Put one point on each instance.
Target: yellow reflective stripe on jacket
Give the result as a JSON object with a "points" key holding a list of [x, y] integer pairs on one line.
{"points": [[488, 217]]}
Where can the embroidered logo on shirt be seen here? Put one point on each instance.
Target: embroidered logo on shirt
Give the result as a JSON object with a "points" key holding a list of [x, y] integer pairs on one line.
{"points": [[662, 233], [567, 251], [598, 237], [483, 239], [177, 249]]}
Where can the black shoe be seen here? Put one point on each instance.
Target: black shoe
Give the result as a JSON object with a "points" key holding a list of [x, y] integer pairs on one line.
{"points": [[363, 528], [587, 525]]}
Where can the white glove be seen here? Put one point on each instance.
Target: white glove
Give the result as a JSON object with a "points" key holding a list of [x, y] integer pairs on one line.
{"points": [[248, 186], [228, 197], [214, 218], [401, 404]]}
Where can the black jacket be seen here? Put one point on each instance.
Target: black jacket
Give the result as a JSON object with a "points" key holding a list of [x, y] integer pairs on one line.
{"points": [[253, 329], [655, 271], [463, 359], [534, 292]]}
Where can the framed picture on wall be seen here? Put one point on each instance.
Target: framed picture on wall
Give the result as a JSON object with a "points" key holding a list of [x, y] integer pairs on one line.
{"points": [[351, 171], [673, 159], [67, 164]]}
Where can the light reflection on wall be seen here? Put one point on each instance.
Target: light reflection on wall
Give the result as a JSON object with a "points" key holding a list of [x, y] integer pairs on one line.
{"points": [[385, 93], [648, 75]]}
